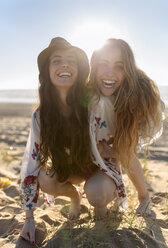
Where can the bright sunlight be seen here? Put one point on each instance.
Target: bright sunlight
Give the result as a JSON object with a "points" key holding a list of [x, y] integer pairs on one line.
{"points": [[92, 34]]}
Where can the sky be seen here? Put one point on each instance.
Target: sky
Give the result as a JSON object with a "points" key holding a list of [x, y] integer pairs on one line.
{"points": [[27, 26]]}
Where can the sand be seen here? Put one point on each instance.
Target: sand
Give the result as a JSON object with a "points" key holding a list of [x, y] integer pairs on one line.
{"points": [[123, 230]]}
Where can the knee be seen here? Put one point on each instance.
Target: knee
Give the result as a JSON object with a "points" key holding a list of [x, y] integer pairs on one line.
{"points": [[96, 195], [46, 182], [100, 190], [42, 179]]}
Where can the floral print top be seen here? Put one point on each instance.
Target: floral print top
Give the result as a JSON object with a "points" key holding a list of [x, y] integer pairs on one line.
{"points": [[101, 129], [31, 165]]}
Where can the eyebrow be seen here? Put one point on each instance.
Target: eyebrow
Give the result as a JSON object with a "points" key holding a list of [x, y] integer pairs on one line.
{"points": [[59, 56], [117, 62]]}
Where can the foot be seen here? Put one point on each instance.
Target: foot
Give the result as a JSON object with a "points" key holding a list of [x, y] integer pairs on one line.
{"points": [[100, 213], [74, 210], [144, 207]]}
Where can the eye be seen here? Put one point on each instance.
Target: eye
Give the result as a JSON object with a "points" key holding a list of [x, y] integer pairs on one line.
{"points": [[102, 64], [55, 61], [72, 62], [119, 67]]}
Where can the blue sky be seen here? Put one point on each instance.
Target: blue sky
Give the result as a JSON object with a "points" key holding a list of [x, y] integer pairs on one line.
{"points": [[26, 28]]}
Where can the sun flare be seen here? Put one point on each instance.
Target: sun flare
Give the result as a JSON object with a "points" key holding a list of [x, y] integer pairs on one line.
{"points": [[92, 34]]}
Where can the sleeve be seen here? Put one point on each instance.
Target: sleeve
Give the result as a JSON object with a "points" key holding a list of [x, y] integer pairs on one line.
{"points": [[98, 129], [30, 166]]}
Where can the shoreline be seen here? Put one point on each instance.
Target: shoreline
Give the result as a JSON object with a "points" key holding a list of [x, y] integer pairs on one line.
{"points": [[9, 109]]}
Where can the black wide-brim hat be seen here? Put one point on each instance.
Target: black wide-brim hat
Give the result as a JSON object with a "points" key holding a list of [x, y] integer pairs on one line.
{"points": [[61, 43]]}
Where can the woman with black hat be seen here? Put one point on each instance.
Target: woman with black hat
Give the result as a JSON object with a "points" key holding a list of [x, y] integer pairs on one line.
{"points": [[57, 154]]}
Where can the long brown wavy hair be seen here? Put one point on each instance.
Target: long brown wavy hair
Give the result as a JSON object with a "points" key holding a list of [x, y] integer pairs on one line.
{"points": [[58, 133], [137, 103]]}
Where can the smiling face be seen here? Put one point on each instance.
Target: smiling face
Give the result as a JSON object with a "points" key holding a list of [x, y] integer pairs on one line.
{"points": [[63, 69], [110, 70]]}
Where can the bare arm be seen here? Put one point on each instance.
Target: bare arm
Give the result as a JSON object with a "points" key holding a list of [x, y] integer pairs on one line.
{"points": [[28, 230], [136, 175]]}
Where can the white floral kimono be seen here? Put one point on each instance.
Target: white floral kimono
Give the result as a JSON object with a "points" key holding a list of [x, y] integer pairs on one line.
{"points": [[31, 160], [31, 165], [101, 128]]}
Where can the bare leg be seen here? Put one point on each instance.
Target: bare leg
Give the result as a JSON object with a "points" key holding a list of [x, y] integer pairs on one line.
{"points": [[100, 190], [52, 186]]}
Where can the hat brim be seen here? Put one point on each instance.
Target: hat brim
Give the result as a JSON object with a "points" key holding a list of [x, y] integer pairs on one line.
{"points": [[44, 55]]}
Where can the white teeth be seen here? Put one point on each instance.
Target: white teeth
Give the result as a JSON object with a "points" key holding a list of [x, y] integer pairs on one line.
{"points": [[108, 83], [64, 74]]}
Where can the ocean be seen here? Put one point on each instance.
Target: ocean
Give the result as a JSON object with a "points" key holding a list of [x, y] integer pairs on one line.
{"points": [[19, 96], [31, 96]]}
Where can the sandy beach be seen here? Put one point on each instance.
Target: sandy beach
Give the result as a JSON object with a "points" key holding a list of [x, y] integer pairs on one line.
{"points": [[118, 230]]}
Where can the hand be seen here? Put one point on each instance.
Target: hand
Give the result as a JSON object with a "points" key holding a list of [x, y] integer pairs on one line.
{"points": [[28, 230], [144, 207], [106, 151]]}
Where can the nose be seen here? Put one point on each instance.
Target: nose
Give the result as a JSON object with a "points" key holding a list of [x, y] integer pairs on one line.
{"points": [[65, 64], [110, 71]]}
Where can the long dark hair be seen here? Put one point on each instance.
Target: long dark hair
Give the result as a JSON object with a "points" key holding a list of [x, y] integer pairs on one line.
{"points": [[59, 133]]}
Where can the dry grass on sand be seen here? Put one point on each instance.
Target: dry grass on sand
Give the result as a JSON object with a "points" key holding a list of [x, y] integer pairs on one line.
{"points": [[123, 230]]}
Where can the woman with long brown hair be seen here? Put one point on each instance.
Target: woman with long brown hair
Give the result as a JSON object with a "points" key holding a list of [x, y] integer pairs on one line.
{"points": [[126, 112], [58, 149]]}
